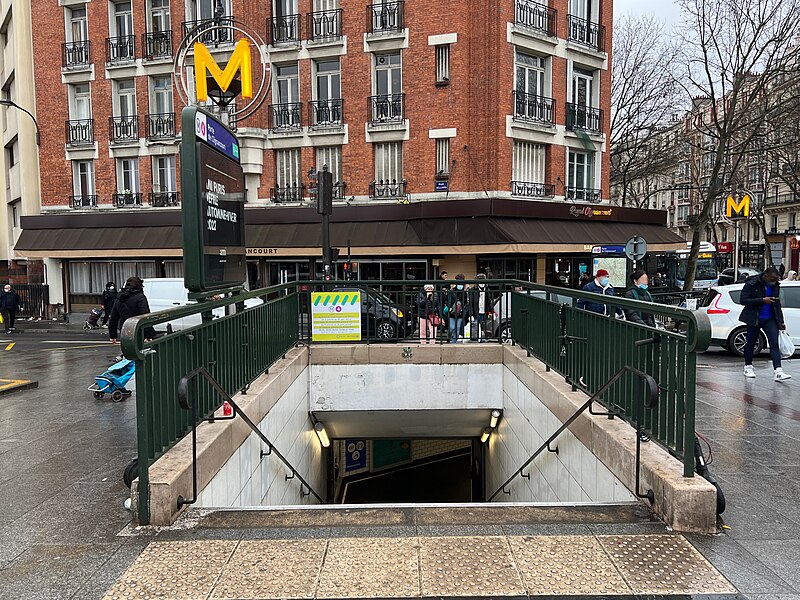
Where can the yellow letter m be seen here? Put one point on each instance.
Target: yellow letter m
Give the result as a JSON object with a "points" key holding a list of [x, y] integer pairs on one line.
{"points": [[738, 209], [240, 60]]}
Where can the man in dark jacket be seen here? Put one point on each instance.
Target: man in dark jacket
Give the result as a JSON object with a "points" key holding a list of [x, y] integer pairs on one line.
{"points": [[599, 285], [762, 312], [10, 305], [109, 298], [456, 309], [131, 302]]}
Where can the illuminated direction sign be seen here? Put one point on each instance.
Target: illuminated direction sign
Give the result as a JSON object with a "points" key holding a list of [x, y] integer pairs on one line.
{"points": [[739, 209]]}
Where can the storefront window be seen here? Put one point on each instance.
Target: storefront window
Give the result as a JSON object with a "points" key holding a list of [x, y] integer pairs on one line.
{"points": [[508, 268]]}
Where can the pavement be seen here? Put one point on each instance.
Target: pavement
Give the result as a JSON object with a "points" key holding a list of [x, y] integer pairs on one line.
{"points": [[63, 527]]}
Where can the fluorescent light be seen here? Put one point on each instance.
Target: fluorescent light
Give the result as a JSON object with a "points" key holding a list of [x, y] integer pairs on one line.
{"points": [[319, 428], [495, 418], [485, 435]]}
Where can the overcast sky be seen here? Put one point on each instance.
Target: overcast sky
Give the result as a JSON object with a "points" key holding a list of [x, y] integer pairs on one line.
{"points": [[667, 10]]}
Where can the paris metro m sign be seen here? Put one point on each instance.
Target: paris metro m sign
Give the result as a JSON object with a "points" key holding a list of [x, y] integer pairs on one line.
{"points": [[735, 210], [240, 61]]}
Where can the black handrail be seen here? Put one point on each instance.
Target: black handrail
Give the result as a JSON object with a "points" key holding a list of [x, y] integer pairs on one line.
{"points": [[651, 401], [183, 400]]}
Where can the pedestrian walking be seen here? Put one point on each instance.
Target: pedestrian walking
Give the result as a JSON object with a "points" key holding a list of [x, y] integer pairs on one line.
{"points": [[456, 308], [10, 305], [599, 285], [639, 291], [791, 276], [429, 314], [109, 298], [762, 312], [131, 302]]}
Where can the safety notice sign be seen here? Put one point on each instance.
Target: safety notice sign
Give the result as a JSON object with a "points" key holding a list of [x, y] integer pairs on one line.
{"points": [[336, 316]]}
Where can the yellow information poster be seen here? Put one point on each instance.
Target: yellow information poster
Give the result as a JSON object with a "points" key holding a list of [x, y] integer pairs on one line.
{"points": [[336, 316]]}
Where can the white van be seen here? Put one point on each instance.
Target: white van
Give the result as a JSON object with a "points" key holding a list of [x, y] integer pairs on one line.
{"points": [[169, 292]]}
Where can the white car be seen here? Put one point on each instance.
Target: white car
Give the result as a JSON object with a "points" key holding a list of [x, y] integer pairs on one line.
{"points": [[721, 304]]}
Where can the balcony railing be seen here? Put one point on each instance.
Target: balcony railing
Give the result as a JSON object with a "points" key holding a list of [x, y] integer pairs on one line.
{"points": [[75, 55], [326, 113], [120, 50], [536, 109], [280, 195], [387, 108], [586, 33], [324, 26], [384, 190], [161, 126], [122, 199], [210, 37], [338, 190], [527, 189], [157, 44], [284, 30], [385, 18], [123, 129], [80, 132], [782, 200], [162, 199], [535, 16], [83, 200], [582, 194], [586, 118], [286, 117]]}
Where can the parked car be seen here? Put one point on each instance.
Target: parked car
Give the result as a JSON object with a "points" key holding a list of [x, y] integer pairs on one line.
{"points": [[726, 277], [721, 304], [381, 318]]}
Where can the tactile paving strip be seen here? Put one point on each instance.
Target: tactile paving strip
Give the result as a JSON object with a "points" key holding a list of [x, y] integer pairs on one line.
{"points": [[566, 565], [175, 570], [664, 564], [385, 567], [272, 569], [468, 566]]}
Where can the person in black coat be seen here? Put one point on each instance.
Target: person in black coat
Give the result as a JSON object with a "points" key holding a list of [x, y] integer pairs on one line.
{"points": [[10, 305], [109, 298], [639, 291], [762, 312], [430, 314], [131, 302]]}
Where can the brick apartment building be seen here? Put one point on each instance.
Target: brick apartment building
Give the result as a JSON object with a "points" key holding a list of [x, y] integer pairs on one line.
{"points": [[496, 111]]}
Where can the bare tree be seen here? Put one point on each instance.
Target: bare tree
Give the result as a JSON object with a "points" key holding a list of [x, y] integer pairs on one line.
{"points": [[644, 99], [739, 52]]}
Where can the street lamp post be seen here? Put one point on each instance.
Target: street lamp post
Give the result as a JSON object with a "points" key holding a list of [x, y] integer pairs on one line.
{"points": [[25, 110]]}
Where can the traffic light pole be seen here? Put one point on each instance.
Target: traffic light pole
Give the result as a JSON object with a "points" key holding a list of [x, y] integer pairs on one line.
{"points": [[326, 245], [325, 208]]}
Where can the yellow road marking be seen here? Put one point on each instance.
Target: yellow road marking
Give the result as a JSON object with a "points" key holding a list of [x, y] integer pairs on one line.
{"points": [[9, 383], [108, 345], [10, 346]]}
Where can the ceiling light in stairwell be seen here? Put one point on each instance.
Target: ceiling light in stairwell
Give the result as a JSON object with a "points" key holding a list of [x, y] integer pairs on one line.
{"points": [[319, 429], [495, 418], [485, 435]]}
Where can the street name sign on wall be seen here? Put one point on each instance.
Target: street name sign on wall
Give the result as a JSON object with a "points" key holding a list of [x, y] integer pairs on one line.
{"points": [[212, 183], [336, 316]]}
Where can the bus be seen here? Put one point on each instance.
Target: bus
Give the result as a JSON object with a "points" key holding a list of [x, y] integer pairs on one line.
{"points": [[706, 274]]}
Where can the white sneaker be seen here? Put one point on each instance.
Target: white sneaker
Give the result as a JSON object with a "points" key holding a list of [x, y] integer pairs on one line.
{"points": [[780, 375], [749, 372]]}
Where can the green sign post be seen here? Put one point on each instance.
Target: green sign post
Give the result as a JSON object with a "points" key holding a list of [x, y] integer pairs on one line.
{"points": [[212, 183]]}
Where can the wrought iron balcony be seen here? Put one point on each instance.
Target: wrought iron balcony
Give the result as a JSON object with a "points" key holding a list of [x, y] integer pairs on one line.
{"points": [[284, 30], [75, 55], [527, 189], [387, 108], [286, 117], [385, 18], [326, 113], [120, 50], [210, 37], [280, 195], [157, 44], [535, 16], [161, 126], [122, 199], [387, 190], [532, 108], [162, 199], [338, 190], [324, 26], [582, 194], [782, 200], [83, 201], [79, 132], [586, 118], [586, 33], [123, 129]]}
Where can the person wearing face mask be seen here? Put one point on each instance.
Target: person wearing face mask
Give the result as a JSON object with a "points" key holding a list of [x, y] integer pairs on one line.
{"points": [[429, 314], [10, 305], [762, 312], [456, 308], [109, 298], [479, 305], [599, 285], [638, 291]]}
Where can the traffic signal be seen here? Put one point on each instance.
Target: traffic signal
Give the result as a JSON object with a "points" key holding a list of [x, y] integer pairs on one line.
{"points": [[334, 254]]}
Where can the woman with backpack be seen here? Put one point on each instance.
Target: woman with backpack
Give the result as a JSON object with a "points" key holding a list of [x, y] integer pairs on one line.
{"points": [[131, 302], [638, 291]]}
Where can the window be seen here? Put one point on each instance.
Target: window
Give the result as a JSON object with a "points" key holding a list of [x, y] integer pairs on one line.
{"points": [[287, 168], [443, 64], [790, 297], [581, 9], [327, 107], [331, 156], [81, 102], [125, 101], [83, 178], [756, 232], [528, 163], [683, 193], [530, 74], [159, 16], [78, 27], [443, 158], [208, 9], [123, 19], [773, 223], [12, 154], [580, 174], [14, 206], [164, 180], [161, 95], [683, 213], [388, 74], [287, 89], [793, 220], [128, 175], [389, 163]]}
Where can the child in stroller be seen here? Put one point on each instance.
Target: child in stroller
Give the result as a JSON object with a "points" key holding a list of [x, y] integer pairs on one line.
{"points": [[92, 321]]}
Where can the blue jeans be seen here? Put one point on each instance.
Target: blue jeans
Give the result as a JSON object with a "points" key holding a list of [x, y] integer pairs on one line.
{"points": [[456, 328], [771, 329]]}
